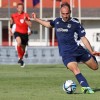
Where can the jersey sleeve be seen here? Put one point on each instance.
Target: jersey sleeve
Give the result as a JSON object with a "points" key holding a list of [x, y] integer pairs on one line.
{"points": [[52, 23], [80, 30], [27, 16]]}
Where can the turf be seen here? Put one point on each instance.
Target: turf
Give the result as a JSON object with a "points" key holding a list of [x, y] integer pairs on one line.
{"points": [[44, 82]]}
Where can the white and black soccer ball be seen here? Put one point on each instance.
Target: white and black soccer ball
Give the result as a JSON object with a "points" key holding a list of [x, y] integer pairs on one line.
{"points": [[69, 86]]}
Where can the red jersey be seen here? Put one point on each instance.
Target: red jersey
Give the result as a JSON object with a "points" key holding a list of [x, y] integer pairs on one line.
{"points": [[19, 20]]}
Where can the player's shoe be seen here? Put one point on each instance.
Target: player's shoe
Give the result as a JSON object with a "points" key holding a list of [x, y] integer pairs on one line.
{"points": [[87, 90], [21, 62]]}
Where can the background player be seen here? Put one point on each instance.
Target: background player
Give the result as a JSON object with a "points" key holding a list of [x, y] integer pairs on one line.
{"points": [[22, 21], [13, 30], [71, 52]]}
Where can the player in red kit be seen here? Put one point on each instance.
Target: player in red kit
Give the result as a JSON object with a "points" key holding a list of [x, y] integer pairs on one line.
{"points": [[22, 21]]}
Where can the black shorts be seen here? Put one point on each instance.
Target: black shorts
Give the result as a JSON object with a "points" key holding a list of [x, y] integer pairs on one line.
{"points": [[24, 38]]}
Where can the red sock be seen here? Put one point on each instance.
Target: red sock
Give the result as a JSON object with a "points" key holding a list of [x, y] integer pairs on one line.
{"points": [[23, 53], [20, 52]]}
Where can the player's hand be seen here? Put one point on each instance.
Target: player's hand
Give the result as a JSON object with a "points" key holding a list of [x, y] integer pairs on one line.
{"points": [[29, 33], [95, 53], [34, 16]]}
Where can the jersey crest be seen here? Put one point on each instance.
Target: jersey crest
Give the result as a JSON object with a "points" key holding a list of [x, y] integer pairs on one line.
{"points": [[69, 26], [22, 20]]}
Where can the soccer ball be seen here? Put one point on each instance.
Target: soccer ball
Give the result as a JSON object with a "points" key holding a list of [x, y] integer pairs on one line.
{"points": [[69, 86]]}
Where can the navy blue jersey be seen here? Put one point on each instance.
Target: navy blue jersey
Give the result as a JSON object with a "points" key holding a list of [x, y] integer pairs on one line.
{"points": [[66, 33]]}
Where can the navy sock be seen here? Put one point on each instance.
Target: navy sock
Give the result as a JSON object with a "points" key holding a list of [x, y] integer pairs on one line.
{"points": [[82, 81]]}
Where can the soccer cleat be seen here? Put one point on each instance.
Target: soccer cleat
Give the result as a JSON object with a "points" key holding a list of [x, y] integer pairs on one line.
{"points": [[87, 90], [21, 62]]}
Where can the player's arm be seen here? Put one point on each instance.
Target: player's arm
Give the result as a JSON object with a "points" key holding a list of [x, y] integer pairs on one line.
{"points": [[42, 22], [11, 21], [81, 32], [89, 47], [11, 25], [87, 44], [27, 20]]}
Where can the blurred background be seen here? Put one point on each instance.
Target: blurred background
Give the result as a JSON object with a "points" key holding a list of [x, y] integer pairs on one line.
{"points": [[42, 46]]}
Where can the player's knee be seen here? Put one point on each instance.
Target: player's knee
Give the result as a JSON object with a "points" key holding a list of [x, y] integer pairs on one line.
{"points": [[18, 43], [95, 67]]}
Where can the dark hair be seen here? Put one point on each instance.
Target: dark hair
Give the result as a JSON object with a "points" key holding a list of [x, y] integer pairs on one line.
{"points": [[20, 4], [65, 4]]}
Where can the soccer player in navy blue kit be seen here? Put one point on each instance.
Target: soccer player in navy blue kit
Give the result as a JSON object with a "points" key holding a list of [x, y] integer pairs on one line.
{"points": [[72, 52]]}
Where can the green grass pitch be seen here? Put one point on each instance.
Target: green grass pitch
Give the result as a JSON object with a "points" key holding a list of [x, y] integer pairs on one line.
{"points": [[44, 82]]}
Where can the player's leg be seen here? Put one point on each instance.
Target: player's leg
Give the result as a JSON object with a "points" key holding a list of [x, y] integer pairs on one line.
{"points": [[92, 63], [24, 43], [20, 51], [24, 48], [19, 47], [23, 52], [87, 58], [73, 66]]}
